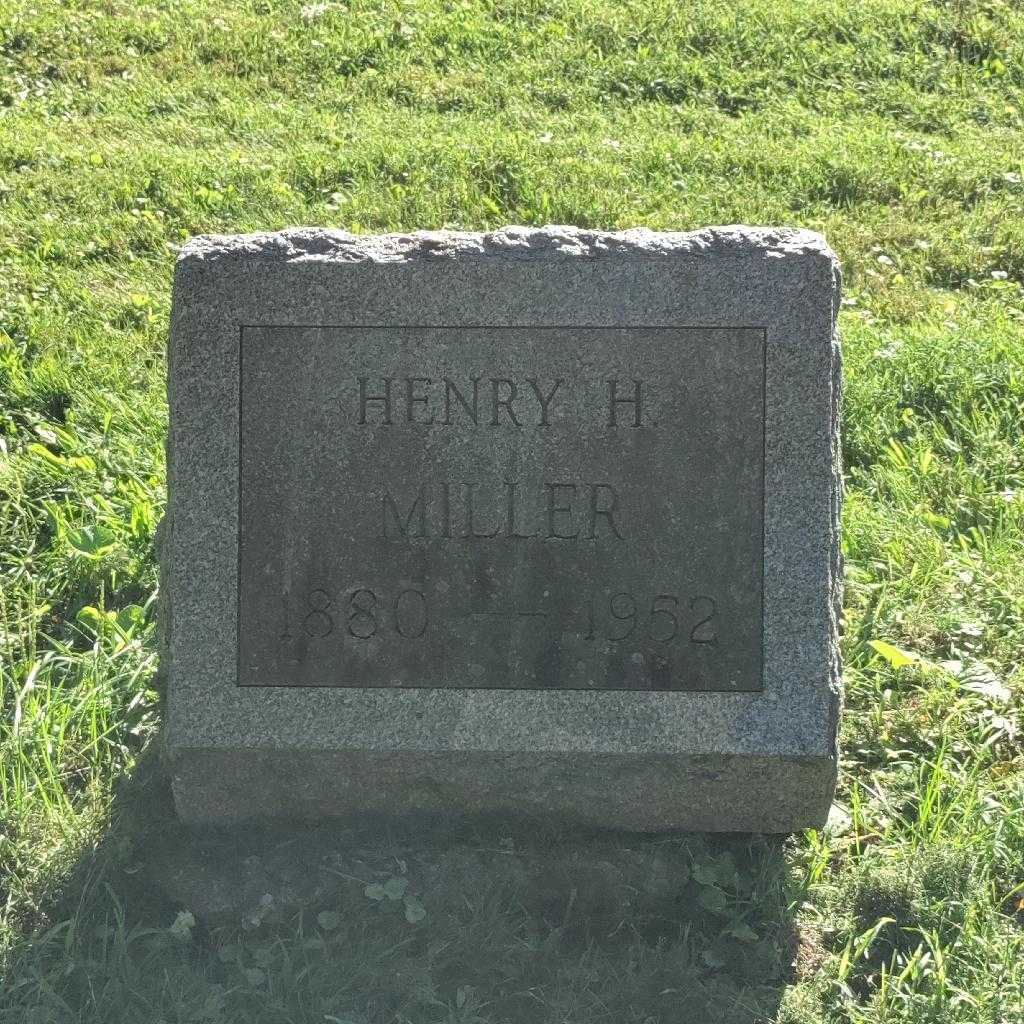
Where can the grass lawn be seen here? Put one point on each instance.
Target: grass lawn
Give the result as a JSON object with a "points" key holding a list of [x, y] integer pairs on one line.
{"points": [[896, 127]]}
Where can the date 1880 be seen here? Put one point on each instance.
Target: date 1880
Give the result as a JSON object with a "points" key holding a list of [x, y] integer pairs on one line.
{"points": [[360, 614]]}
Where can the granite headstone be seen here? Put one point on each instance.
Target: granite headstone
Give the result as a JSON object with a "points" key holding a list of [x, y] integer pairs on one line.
{"points": [[541, 522]]}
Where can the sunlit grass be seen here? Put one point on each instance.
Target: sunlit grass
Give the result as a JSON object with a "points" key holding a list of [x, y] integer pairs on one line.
{"points": [[894, 127]]}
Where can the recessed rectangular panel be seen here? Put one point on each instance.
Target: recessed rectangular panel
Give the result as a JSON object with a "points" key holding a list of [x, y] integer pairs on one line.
{"points": [[501, 507]]}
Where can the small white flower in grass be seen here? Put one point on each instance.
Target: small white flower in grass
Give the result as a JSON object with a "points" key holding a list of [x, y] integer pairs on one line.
{"points": [[612, 143], [884, 260], [546, 138], [311, 12], [999, 275]]}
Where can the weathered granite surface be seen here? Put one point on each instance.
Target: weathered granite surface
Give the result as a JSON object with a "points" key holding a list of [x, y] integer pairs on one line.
{"points": [[713, 727]]}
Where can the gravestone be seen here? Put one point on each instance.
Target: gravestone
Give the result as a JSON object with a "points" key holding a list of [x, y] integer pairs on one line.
{"points": [[541, 522]]}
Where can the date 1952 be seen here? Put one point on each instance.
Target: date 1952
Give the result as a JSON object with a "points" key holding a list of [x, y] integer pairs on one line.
{"points": [[662, 619]]}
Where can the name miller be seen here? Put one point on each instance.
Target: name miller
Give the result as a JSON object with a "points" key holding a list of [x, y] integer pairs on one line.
{"points": [[469, 511]]}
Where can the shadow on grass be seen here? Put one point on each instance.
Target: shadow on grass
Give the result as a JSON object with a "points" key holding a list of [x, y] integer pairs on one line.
{"points": [[375, 920]]}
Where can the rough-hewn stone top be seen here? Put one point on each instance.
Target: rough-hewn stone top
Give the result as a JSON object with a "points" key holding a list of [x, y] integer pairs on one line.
{"points": [[303, 244]]}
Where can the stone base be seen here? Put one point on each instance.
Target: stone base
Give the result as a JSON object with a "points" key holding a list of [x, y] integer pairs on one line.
{"points": [[647, 794]]}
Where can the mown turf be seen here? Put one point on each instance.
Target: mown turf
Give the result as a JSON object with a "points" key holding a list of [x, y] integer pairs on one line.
{"points": [[894, 127]]}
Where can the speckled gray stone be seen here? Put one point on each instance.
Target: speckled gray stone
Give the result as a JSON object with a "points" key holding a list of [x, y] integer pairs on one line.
{"points": [[280, 703]]}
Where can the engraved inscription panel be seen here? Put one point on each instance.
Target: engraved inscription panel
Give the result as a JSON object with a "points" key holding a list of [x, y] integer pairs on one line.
{"points": [[516, 507]]}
